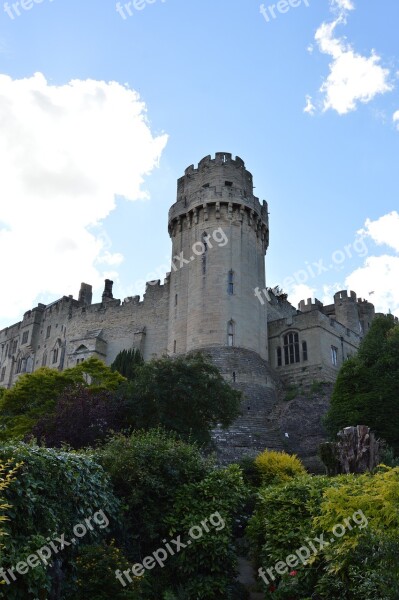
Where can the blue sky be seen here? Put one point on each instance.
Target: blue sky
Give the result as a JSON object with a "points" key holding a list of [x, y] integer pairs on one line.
{"points": [[307, 97]]}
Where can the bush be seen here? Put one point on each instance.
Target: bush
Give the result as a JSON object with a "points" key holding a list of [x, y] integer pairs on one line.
{"points": [[95, 572], [277, 467], [362, 514], [206, 569], [147, 469], [54, 491]]}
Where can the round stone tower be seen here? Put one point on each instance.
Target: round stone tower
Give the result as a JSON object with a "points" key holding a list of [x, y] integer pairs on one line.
{"points": [[220, 234]]}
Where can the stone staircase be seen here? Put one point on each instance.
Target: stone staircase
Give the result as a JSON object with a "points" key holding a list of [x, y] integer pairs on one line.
{"points": [[252, 432]]}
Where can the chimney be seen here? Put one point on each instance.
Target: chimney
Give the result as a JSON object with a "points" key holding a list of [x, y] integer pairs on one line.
{"points": [[107, 293], [85, 294]]}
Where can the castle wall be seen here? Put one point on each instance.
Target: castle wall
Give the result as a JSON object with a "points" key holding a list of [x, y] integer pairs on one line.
{"points": [[67, 331], [321, 334]]}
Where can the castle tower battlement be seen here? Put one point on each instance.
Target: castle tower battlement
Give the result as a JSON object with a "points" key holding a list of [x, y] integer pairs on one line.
{"points": [[219, 187], [309, 305]]}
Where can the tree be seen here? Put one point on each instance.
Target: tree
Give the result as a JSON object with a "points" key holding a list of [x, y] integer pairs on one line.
{"points": [[34, 395], [186, 394], [126, 363], [82, 417], [367, 388]]}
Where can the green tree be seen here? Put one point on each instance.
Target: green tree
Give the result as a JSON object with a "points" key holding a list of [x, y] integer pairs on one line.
{"points": [[34, 395], [126, 363], [186, 394], [367, 388]]}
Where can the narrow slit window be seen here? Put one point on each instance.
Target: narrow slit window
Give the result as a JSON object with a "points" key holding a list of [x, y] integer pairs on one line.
{"points": [[230, 283], [230, 334], [304, 351], [279, 357]]}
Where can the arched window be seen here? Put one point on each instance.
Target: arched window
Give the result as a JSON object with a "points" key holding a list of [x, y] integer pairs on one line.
{"points": [[230, 283], [230, 333], [304, 351], [44, 359], [291, 348]]}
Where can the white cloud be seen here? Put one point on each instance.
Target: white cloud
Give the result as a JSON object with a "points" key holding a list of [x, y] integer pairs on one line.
{"points": [[65, 151], [396, 119], [300, 292], [353, 78], [343, 5], [310, 107], [384, 230], [380, 274]]}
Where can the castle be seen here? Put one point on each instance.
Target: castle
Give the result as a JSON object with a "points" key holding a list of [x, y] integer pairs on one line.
{"points": [[209, 301]]}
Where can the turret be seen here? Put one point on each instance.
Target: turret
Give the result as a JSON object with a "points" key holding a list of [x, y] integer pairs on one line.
{"points": [[220, 235], [347, 311]]}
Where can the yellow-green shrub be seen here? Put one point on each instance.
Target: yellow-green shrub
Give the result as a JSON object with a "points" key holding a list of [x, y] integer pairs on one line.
{"points": [[278, 467]]}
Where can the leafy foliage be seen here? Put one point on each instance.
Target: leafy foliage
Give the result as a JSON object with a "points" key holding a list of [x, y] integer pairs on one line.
{"points": [[126, 363], [283, 518], [366, 391], [7, 475], [54, 491], [186, 394], [278, 467], [82, 417], [147, 469], [206, 569], [96, 566], [34, 395]]}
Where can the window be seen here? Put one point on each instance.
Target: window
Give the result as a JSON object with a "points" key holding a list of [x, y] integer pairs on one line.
{"points": [[205, 250], [174, 346], [228, 183], [3, 374], [25, 337], [230, 333], [48, 331], [234, 376], [279, 357], [291, 348], [44, 359], [14, 346], [79, 361], [55, 355], [304, 351], [334, 355], [230, 283]]}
